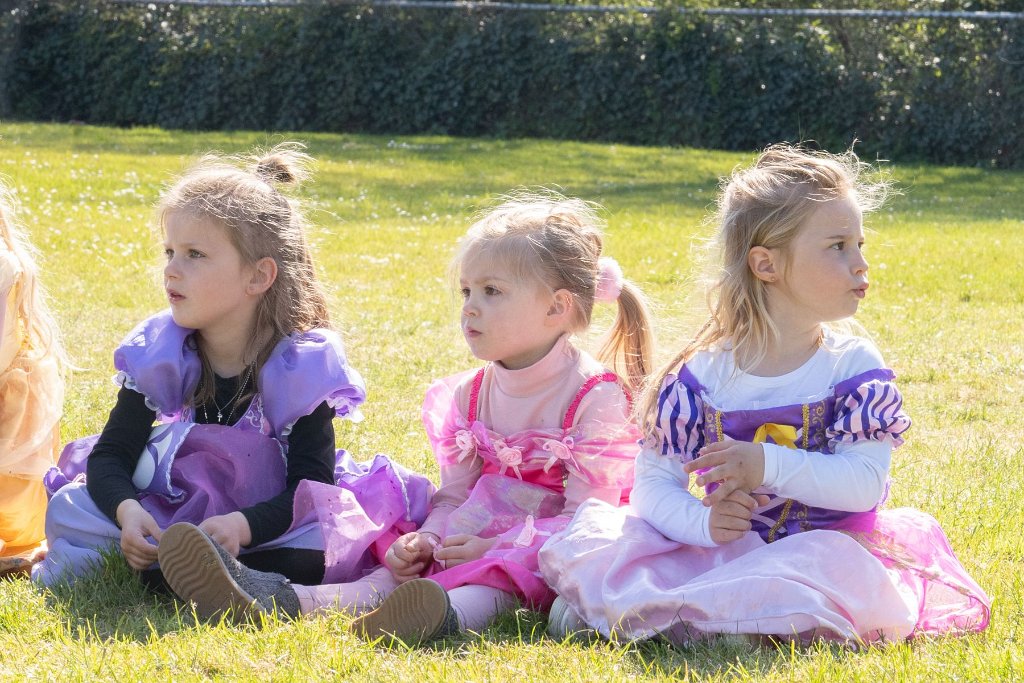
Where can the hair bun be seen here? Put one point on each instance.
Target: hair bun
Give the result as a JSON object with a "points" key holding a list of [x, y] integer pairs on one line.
{"points": [[285, 164]]}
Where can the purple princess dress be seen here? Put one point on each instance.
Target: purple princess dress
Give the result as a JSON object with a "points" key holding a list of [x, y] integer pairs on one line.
{"points": [[802, 571], [189, 472]]}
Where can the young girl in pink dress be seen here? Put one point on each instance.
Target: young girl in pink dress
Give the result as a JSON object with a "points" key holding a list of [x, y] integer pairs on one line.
{"points": [[521, 442], [31, 396], [789, 425]]}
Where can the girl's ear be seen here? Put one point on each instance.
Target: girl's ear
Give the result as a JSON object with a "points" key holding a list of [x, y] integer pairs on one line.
{"points": [[764, 263], [561, 307], [264, 274]]}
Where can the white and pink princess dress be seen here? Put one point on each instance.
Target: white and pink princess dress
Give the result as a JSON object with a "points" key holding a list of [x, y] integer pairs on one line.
{"points": [[518, 451], [189, 471], [822, 559]]}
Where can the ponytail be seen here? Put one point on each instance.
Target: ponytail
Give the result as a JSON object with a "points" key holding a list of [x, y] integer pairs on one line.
{"points": [[628, 346]]}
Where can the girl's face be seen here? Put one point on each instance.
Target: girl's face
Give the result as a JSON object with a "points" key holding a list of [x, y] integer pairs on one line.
{"points": [[207, 282], [507, 319], [824, 275]]}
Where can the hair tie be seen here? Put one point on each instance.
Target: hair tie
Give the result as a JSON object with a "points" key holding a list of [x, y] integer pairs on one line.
{"points": [[609, 280]]}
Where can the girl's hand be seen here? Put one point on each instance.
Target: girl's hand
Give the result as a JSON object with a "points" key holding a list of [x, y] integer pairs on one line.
{"points": [[410, 554], [136, 524], [231, 531], [733, 465], [730, 518], [462, 548]]}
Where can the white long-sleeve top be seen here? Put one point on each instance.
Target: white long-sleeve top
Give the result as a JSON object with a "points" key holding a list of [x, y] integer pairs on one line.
{"points": [[851, 479]]}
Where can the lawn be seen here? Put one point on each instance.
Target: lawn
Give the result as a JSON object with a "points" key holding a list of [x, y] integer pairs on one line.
{"points": [[946, 307]]}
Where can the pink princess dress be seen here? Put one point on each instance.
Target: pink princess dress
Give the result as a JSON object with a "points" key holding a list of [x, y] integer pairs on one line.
{"points": [[517, 486], [802, 571]]}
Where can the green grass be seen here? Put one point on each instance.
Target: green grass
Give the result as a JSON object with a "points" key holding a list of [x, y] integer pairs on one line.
{"points": [[946, 307]]}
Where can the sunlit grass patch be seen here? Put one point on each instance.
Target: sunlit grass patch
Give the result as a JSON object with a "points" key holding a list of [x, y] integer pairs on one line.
{"points": [[946, 307]]}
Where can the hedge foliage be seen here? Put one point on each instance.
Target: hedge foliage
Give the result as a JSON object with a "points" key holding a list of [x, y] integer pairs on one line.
{"points": [[940, 90]]}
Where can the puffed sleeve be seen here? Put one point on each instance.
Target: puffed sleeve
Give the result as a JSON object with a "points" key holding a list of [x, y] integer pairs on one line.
{"points": [[868, 407], [451, 437], [679, 430], [157, 360], [304, 370]]}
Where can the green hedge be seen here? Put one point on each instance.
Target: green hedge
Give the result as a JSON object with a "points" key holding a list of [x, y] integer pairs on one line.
{"points": [[941, 90]]}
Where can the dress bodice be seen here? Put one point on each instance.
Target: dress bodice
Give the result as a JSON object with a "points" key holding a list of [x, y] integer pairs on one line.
{"points": [[600, 453], [866, 405]]}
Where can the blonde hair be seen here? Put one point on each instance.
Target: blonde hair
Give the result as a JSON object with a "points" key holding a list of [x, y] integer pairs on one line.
{"points": [[243, 196], [763, 205], [31, 303], [557, 240]]}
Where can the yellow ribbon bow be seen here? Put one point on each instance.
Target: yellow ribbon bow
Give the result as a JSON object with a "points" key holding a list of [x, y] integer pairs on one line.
{"points": [[783, 435]]}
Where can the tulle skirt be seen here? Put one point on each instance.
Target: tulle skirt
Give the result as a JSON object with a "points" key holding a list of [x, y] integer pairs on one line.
{"points": [[878, 576], [522, 516], [31, 400]]}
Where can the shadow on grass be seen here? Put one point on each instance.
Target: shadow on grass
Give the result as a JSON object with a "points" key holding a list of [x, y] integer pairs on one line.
{"points": [[715, 656], [113, 602]]}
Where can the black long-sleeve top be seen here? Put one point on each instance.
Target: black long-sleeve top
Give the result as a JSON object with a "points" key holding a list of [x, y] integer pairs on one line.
{"points": [[113, 459]]}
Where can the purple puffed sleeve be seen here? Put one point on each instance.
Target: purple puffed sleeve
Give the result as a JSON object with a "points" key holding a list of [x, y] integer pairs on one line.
{"points": [[679, 430], [304, 370], [157, 360], [868, 407]]}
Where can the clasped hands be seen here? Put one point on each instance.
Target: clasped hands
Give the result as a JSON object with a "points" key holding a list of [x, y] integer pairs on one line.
{"points": [[231, 531], [409, 556], [737, 468]]}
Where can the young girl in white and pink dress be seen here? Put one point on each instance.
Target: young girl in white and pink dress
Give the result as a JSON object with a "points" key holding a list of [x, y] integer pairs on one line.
{"points": [[521, 441], [31, 396], [789, 425]]}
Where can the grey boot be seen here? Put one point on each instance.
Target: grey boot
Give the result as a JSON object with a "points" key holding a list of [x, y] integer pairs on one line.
{"points": [[199, 570]]}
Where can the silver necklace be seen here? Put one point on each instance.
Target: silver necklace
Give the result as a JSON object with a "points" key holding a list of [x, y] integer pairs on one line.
{"points": [[231, 401]]}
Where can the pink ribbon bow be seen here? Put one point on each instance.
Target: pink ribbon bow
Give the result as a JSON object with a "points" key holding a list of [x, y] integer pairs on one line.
{"points": [[509, 456], [560, 450], [466, 442], [529, 532]]}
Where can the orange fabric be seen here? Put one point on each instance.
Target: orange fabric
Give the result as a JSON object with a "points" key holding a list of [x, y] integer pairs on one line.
{"points": [[22, 513]]}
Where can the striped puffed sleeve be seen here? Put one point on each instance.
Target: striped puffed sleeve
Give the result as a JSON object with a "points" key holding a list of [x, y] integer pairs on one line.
{"points": [[679, 430], [868, 407]]}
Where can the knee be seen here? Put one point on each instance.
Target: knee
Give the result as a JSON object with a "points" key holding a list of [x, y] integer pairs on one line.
{"points": [[67, 497], [71, 507]]}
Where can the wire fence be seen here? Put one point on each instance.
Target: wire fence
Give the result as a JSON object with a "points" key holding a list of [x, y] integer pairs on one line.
{"points": [[466, 5]]}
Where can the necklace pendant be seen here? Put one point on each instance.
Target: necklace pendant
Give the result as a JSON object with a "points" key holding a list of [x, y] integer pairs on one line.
{"points": [[219, 417]]}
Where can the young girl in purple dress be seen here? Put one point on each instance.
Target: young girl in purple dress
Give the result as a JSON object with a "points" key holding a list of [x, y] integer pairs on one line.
{"points": [[521, 441], [243, 377], [789, 424]]}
